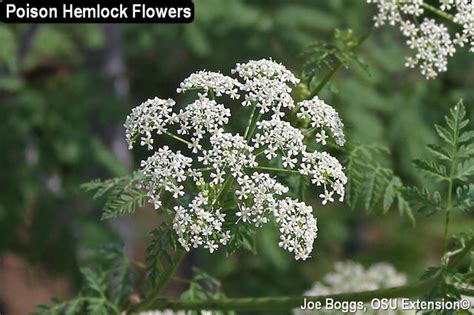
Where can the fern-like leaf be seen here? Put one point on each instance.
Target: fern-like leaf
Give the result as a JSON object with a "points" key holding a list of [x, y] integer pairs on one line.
{"points": [[372, 183], [122, 195], [437, 171], [159, 251]]}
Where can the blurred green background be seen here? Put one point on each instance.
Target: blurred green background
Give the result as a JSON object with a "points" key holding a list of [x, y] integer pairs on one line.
{"points": [[65, 91]]}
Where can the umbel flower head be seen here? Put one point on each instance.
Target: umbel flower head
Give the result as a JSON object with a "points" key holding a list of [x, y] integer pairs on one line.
{"points": [[429, 39], [226, 179]]}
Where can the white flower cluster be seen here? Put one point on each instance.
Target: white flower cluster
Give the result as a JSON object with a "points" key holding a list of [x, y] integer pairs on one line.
{"points": [[256, 196], [200, 224], [321, 116], [151, 116], [216, 82], [297, 227], [204, 115], [224, 167], [430, 40], [325, 170], [266, 85], [278, 136], [164, 171], [350, 276], [228, 151]]}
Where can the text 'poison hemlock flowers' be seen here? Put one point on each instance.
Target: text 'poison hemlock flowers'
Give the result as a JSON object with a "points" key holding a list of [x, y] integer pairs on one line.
{"points": [[221, 180], [429, 38]]}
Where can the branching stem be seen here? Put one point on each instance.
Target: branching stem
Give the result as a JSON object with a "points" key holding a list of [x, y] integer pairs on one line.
{"points": [[438, 12]]}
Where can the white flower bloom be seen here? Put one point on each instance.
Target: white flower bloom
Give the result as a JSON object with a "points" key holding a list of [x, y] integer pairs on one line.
{"points": [[225, 162], [204, 115], [266, 85], [200, 224], [257, 197], [298, 228], [325, 170], [216, 82], [278, 135], [164, 171], [350, 276], [151, 116], [321, 116], [430, 40]]}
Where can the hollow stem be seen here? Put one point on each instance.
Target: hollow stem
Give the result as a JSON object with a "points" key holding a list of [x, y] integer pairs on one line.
{"points": [[291, 302]]}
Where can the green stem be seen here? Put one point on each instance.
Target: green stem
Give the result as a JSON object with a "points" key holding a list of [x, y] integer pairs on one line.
{"points": [[178, 138], [254, 126], [438, 12], [291, 302], [328, 76], [274, 169], [162, 283], [448, 210], [247, 129], [456, 259], [466, 291]]}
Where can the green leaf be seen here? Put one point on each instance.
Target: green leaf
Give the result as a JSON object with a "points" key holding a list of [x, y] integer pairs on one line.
{"points": [[444, 134], [465, 170], [439, 152], [97, 307], [369, 181], [123, 201], [74, 307], [465, 198], [466, 136], [123, 196], [423, 200], [94, 280], [8, 48], [432, 168], [388, 197], [465, 151], [162, 243]]}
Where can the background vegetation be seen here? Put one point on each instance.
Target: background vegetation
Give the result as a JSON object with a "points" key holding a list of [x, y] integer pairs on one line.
{"points": [[65, 91]]}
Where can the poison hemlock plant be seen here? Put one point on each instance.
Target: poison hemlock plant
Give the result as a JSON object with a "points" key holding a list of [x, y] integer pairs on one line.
{"points": [[215, 188]]}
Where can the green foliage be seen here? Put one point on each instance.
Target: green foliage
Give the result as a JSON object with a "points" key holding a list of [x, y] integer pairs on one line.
{"points": [[204, 287], [452, 163], [107, 281], [370, 183], [324, 57], [243, 236], [122, 193], [159, 252]]}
